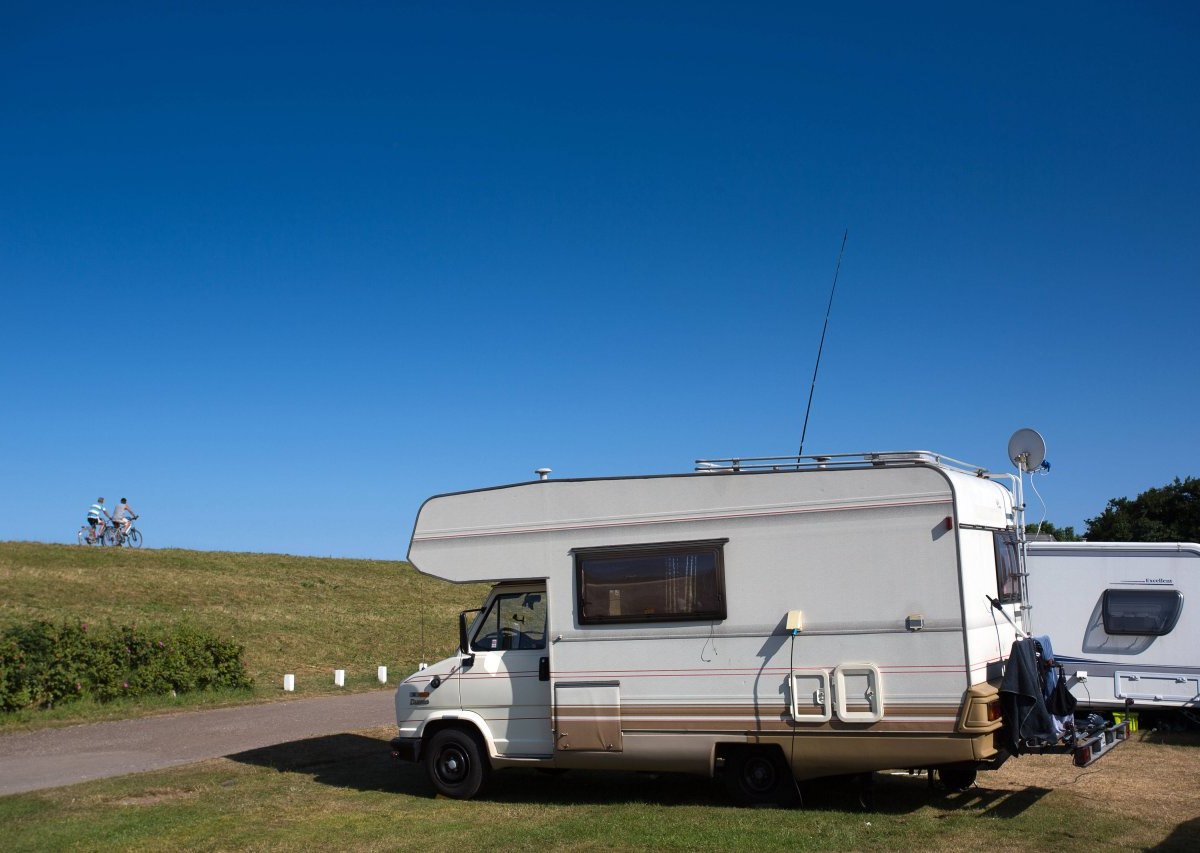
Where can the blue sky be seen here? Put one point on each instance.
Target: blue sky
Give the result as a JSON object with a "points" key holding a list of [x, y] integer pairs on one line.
{"points": [[278, 272]]}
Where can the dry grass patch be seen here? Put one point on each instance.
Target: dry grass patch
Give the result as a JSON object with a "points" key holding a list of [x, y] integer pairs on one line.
{"points": [[1155, 776], [152, 798]]}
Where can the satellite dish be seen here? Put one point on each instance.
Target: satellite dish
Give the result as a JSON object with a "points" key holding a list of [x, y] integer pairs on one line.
{"points": [[1027, 449]]}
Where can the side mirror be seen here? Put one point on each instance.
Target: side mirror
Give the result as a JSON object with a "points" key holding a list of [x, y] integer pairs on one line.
{"points": [[464, 647]]}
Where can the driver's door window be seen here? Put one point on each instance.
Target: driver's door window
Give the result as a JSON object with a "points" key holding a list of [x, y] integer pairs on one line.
{"points": [[514, 621]]}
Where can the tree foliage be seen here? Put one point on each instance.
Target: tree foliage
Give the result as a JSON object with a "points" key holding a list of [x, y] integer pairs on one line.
{"points": [[1058, 534], [1167, 514]]}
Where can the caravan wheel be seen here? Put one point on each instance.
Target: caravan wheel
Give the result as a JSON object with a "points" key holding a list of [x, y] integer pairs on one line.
{"points": [[757, 776], [456, 764]]}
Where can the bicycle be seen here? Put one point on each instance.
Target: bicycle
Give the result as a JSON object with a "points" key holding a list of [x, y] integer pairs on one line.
{"points": [[98, 535], [131, 538]]}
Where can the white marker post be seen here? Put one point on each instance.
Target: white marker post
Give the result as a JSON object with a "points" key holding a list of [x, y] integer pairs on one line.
{"points": [[382, 675], [289, 683], [339, 677]]}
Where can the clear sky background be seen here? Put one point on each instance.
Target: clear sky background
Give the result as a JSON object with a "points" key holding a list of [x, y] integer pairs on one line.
{"points": [[279, 272]]}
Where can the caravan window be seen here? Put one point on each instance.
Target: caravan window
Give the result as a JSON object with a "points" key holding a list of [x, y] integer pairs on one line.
{"points": [[1147, 612], [657, 583], [1008, 567]]}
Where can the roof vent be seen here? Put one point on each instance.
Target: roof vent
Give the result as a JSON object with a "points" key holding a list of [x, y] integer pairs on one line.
{"points": [[543, 473]]}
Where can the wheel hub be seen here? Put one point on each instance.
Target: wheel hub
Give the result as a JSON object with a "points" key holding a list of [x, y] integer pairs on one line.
{"points": [[453, 766], [760, 775]]}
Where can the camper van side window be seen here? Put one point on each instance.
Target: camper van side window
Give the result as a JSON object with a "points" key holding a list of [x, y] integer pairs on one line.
{"points": [[660, 583], [1008, 567], [1146, 612]]}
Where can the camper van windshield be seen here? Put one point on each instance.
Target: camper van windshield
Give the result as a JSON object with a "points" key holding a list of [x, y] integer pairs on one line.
{"points": [[681, 581]]}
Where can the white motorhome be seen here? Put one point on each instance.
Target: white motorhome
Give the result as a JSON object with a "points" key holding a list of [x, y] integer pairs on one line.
{"points": [[1121, 620], [767, 619]]}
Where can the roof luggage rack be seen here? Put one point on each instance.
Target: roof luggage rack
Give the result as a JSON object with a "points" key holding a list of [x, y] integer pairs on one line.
{"points": [[884, 459]]}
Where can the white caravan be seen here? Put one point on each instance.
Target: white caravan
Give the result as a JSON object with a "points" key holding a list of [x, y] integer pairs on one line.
{"points": [[1120, 617], [768, 619]]}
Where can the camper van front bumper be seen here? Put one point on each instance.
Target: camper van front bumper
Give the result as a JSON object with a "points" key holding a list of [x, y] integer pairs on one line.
{"points": [[406, 749]]}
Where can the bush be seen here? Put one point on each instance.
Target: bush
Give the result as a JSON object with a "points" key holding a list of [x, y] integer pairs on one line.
{"points": [[43, 665]]}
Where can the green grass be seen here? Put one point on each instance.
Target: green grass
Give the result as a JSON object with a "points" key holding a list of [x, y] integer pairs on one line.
{"points": [[301, 615], [344, 792]]}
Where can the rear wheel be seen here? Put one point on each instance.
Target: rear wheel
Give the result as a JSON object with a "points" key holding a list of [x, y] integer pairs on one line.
{"points": [[133, 538], [456, 764], [957, 777], [756, 776]]}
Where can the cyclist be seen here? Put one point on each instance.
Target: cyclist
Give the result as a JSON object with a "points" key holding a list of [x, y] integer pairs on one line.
{"points": [[96, 515], [124, 516]]}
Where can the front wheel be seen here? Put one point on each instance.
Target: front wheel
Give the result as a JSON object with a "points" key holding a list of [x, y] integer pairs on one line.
{"points": [[133, 538], [456, 764], [110, 536]]}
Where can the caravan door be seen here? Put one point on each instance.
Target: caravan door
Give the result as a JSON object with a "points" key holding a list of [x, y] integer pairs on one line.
{"points": [[509, 683]]}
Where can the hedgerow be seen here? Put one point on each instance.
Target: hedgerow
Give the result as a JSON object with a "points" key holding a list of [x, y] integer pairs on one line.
{"points": [[43, 665]]}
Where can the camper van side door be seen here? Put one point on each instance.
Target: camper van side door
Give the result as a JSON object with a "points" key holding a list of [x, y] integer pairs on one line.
{"points": [[504, 685]]}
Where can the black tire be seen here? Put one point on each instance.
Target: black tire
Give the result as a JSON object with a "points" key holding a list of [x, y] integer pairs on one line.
{"points": [[133, 538], [957, 777], [456, 764], [757, 776], [110, 536]]}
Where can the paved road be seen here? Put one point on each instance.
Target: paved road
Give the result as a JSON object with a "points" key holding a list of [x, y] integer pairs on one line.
{"points": [[54, 757]]}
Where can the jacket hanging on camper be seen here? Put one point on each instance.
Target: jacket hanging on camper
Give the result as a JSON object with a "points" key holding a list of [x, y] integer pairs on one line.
{"points": [[1027, 722]]}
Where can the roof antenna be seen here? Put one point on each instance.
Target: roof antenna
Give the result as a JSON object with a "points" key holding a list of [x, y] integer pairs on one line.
{"points": [[817, 366]]}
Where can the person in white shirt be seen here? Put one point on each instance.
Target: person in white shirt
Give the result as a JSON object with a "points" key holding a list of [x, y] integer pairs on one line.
{"points": [[124, 516], [96, 515]]}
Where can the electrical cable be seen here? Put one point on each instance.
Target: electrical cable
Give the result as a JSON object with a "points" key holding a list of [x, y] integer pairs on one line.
{"points": [[1041, 500], [792, 696], [996, 625]]}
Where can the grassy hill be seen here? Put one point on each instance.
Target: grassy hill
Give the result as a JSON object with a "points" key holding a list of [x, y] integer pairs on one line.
{"points": [[302, 615]]}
